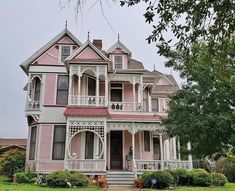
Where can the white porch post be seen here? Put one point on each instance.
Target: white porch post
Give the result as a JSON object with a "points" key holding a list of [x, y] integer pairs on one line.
{"points": [[161, 150], [133, 89], [70, 88], [190, 159], [178, 147], [66, 167], [79, 89], [133, 149], [105, 145], [106, 91], [97, 87]]}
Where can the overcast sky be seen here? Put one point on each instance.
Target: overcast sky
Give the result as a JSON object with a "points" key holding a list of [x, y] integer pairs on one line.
{"points": [[27, 25]]}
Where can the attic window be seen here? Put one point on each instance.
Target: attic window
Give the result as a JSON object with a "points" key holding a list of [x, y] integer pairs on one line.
{"points": [[65, 52], [118, 62]]}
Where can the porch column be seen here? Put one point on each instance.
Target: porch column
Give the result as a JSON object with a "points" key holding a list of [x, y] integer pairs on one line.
{"points": [[178, 148], [133, 149], [70, 89], [133, 88], [97, 86], [190, 159], [161, 150], [79, 89], [66, 166], [106, 91]]}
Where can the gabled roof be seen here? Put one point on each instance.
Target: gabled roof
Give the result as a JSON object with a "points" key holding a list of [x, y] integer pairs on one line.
{"points": [[118, 45], [38, 53], [83, 47]]}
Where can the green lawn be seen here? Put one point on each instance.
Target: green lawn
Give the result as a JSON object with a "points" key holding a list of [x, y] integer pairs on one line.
{"points": [[8, 186], [227, 187]]}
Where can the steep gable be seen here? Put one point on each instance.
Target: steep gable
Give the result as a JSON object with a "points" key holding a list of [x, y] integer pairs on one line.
{"points": [[48, 52]]}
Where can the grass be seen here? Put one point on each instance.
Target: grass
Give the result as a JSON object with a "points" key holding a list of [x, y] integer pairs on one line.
{"points": [[227, 187], [9, 186]]}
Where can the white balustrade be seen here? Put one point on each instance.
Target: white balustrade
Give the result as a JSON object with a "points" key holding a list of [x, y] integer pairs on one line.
{"points": [[153, 165], [87, 100], [86, 164], [33, 105], [125, 106]]}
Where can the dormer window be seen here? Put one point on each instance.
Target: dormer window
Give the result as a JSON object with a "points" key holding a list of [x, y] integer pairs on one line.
{"points": [[118, 62], [65, 52]]}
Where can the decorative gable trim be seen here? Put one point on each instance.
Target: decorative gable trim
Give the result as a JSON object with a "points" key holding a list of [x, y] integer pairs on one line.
{"points": [[118, 45], [26, 63], [82, 48]]}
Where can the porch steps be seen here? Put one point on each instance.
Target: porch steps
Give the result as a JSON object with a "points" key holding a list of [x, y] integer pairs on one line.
{"points": [[120, 178]]}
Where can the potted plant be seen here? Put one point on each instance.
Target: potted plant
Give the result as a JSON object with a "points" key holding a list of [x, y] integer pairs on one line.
{"points": [[139, 183], [102, 182]]}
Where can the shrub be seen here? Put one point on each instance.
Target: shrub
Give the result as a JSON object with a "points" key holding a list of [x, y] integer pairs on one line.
{"points": [[218, 179], [164, 179], [201, 178], [226, 166], [60, 179], [13, 161], [200, 170], [21, 177], [25, 177], [182, 177]]}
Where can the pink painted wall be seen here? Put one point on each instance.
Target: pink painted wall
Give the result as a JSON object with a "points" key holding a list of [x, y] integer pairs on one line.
{"points": [[66, 40], [88, 53], [50, 89], [102, 89], [128, 93], [76, 145], [50, 57], [46, 142]]}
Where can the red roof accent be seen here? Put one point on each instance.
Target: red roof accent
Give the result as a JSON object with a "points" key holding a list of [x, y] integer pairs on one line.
{"points": [[136, 117], [86, 111]]}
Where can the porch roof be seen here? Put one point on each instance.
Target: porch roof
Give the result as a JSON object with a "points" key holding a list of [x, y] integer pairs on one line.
{"points": [[87, 112]]}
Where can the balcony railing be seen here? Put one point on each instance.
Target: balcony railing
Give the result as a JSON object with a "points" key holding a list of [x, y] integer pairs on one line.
{"points": [[87, 100], [86, 164], [151, 165], [33, 106], [125, 106]]}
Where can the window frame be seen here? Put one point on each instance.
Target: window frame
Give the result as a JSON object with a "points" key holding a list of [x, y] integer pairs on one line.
{"points": [[114, 61], [64, 90], [58, 142], [61, 52], [32, 143], [149, 142], [119, 86]]}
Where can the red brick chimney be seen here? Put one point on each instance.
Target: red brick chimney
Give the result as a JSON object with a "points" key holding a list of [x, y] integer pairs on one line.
{"points": [[97, 43]]}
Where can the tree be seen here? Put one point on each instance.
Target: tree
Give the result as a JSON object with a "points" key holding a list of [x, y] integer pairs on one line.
{"points": [[203, 111], [13, 161]]}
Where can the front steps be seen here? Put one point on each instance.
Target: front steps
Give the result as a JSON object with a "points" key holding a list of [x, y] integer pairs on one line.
{"points": [[120, 178]]}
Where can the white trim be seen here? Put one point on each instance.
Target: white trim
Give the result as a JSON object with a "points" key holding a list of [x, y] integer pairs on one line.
{"points": [[140, 145], [123, 150], [47, 69], [56, 84]]}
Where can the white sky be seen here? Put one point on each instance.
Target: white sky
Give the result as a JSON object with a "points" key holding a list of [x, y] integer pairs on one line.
{"points": [[27, 25]]}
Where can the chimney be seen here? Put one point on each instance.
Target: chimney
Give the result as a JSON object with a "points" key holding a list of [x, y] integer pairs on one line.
{"points": [[97, 43]]}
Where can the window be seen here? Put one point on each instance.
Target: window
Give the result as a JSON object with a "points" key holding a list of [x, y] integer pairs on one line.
{"points": [[59, 142], [37, 87], [89, 146], [65, 52], [118, 62], [145, 100], [91, 87], [116, 92], [155, 105], [62, 90], [147, 141], [32, 143]]}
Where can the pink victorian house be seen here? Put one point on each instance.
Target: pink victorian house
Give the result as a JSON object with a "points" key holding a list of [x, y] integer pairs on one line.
{"points": [[96, 111]]}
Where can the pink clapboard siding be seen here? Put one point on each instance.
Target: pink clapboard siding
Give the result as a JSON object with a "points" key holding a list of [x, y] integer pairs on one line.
{"points": [[76, 145], [50, 89], [128, 93], [50, 57], [102, 89], [88, 53], [45, 142], [51, 165]]}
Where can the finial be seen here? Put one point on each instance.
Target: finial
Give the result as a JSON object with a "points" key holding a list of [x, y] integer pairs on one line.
{"points": [[118, 37], [66, 23], [88, 35], [154, 67]]}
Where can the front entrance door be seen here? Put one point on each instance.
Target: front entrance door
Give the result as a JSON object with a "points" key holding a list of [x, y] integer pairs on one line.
{"points": [[156, 148], [116, 150]]}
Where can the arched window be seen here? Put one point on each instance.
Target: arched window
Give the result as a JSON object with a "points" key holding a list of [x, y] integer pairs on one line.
{"points": [[37, 89]]}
